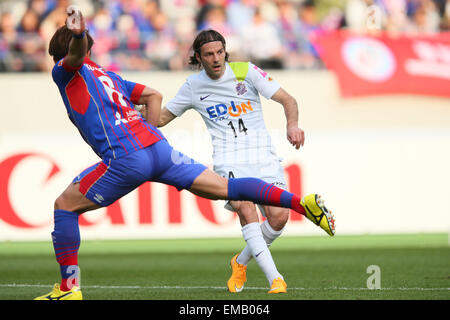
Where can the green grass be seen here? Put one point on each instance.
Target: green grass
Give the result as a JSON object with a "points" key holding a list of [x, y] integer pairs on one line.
{"points": [[320, 268]]}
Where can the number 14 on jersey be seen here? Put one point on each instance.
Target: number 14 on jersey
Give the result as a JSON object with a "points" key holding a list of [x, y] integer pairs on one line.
{"points": [[241, 127]]}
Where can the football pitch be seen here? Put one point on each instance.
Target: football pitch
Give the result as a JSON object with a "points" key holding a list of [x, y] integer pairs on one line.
{"points": [[414, 266]]}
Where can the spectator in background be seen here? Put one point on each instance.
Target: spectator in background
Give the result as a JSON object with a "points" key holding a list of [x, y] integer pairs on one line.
{"points": [[356, 14], [307, 26], [30, 22], [176, 10], [206, 6], [445, 24], [288, 32], [148, 10], [334, 19], [411, 7], [21, 48], [134, 10], [54, 19], [185, 31], [30, 46], [240, 13], [287, 22], [440, 5], [101, 26], [216, 19], [153, 34], [9, 60], [261, 43], [425, 19], [101, 22], [308, 17], [396, 18], [7, 27], [41, 7], [129, 43], [163, 47], [295, 26]]}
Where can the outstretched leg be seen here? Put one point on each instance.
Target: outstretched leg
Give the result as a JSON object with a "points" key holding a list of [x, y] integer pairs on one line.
{"points": [[212, 186]]}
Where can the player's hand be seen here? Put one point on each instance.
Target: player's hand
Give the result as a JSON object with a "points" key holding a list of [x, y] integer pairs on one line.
{"points": [[75, 21], [296, 137]]}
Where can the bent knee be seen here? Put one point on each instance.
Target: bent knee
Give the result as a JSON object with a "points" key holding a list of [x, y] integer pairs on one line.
{"points": [[61, 203], [244, 208], [66, 202], [72, 200], [278, 218]]}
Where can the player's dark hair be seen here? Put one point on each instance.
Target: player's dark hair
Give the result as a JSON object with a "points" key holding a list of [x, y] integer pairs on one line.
{"points": [[59, 44], [202, 38]]}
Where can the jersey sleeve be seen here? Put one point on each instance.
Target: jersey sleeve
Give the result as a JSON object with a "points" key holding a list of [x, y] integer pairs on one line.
{"points": [[182, 100], [61, 73], [134, 90], [131, 89], [265, 85]]}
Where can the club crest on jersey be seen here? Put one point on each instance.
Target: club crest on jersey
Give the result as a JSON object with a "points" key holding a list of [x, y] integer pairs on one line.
{"points": [[240, 88]]}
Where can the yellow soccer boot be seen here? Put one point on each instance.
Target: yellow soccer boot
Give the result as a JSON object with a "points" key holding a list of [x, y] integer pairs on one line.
{"points": [[57, 294], [318, 213]]}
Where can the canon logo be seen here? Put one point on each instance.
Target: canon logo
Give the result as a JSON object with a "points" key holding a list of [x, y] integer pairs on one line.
{"points": [[114, 215]]}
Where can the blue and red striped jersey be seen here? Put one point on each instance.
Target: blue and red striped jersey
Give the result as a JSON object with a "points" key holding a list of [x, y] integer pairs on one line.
{"points": [[101, 105]]}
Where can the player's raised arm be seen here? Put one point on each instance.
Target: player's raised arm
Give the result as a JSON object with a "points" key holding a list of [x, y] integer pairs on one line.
{"points": [[78, 45], [165, 117], [151, 99], [295, 135]]}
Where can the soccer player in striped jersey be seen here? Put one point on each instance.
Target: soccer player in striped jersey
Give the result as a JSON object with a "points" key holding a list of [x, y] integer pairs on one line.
{"points": [[227, 97], [101, 105]]}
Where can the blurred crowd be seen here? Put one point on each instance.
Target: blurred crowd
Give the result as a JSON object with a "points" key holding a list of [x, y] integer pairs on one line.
{"points": [[157, 35]]}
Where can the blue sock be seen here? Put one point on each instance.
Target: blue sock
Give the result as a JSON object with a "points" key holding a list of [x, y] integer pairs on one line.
{"points": [[66, 242], [258, 191]]}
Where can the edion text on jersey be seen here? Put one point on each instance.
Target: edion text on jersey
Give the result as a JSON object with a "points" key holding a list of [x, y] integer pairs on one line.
{"points": [[233, 109]]}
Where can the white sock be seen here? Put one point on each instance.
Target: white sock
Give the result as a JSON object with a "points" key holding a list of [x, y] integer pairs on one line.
{"points": [[255, 241], [269, 235]]}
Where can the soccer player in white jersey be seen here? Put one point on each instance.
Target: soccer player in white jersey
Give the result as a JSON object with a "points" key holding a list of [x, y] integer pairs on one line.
{"points": [[227, 97]]}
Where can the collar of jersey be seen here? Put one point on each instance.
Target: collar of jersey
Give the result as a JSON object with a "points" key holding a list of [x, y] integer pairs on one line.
{"points": [[90, 62]]}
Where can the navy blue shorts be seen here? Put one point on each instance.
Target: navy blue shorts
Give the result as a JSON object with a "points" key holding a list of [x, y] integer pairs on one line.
{"points": [[108, 181]]}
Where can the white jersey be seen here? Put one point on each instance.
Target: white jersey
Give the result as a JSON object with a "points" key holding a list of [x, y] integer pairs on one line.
{"points": [[231, 109]]}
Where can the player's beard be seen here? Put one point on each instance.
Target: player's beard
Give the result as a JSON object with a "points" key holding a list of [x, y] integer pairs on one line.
{"points": [[215, 71]]}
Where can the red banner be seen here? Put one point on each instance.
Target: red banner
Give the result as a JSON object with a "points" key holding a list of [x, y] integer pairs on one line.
{"points": [[383, 64]]}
